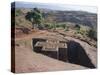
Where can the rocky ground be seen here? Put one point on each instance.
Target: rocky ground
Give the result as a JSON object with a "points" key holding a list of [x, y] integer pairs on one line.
{"points": [[28, 61]]}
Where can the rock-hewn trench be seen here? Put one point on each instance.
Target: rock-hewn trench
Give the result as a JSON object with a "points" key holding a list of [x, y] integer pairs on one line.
{"points": [[77, 55], [73, 53]]}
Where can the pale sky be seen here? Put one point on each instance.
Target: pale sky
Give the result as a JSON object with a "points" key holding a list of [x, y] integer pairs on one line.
{"points": [[91, 9]]}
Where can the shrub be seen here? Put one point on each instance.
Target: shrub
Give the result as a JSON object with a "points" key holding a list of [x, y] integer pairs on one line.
{"points": [[18, 12], [81, 30], [92, 34], [60, 25], [63, 26], [66, 28], [77, 27], [57, 25], [48, 26]]}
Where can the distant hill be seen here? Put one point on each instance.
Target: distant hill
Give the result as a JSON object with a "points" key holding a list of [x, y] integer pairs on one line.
{"points": [[77, 17]]}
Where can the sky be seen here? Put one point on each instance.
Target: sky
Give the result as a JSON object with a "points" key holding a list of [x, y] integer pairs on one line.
{"points": [[62, 7]]}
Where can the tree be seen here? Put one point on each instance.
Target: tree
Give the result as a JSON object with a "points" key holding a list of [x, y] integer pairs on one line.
{"points": [[35, 16]]}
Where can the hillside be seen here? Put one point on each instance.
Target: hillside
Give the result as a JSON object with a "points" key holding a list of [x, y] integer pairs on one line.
{"points": [[50, 40], [76, 17], [29, 61]]}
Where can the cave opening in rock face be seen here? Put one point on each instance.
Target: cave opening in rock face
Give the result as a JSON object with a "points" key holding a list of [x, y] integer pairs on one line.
{"points": [[77, 55]]}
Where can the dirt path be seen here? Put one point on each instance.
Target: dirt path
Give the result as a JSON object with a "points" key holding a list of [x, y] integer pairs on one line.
{"points": [[29, 36]]}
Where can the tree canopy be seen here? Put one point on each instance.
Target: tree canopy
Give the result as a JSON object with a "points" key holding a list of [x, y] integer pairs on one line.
{"points": [[35, 16]]}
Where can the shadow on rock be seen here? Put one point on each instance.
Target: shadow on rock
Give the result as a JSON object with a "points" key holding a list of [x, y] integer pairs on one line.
{"points": [[77, 55]]}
